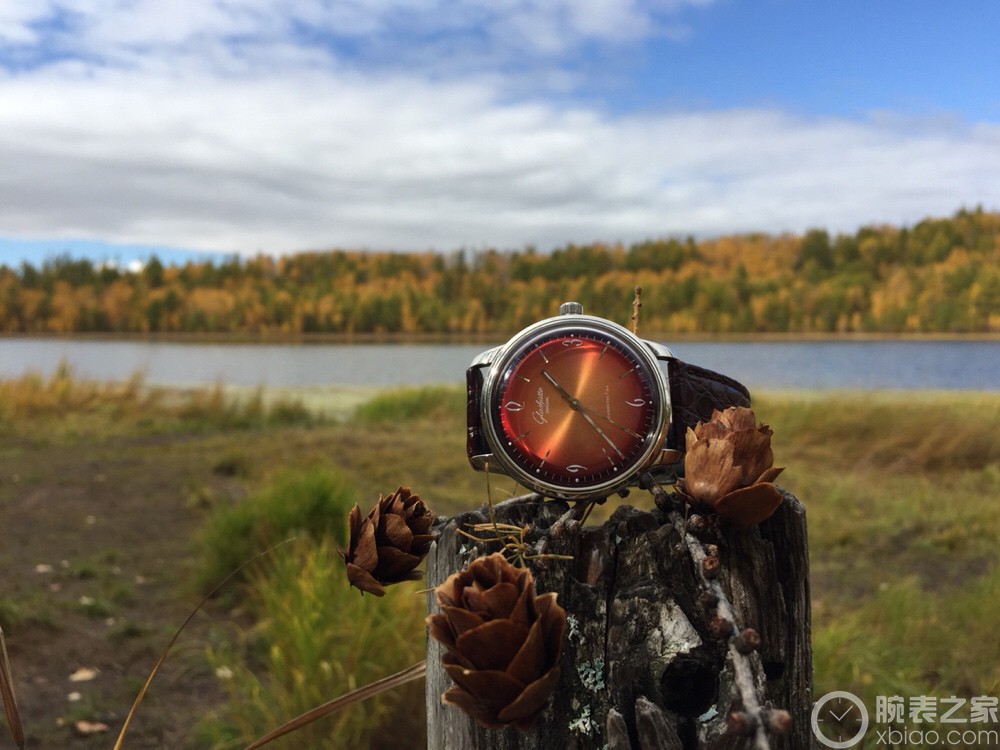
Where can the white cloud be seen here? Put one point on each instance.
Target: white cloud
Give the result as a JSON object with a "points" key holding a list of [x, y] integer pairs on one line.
{"points": [[278, 146], [105, 28]]}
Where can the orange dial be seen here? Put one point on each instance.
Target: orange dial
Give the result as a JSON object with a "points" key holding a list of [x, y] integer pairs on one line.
{"points": [[575, 409]]}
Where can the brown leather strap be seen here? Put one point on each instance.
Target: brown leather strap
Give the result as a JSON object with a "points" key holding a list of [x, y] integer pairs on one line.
{"points": [[695, 393]]}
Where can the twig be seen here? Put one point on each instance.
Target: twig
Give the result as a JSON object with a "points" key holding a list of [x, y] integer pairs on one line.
{"points": [[636, 304], [415, 672], [8, 698], [163, 656], [509, 537], [742, 672]]}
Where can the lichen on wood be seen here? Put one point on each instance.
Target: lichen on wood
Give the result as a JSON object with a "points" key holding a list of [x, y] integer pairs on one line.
{"points": [[643, 664]]}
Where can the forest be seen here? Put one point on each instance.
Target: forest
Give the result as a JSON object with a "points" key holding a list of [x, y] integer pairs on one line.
{"points": [[941, 275]]}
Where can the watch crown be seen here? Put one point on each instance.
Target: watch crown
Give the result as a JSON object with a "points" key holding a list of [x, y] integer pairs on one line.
{"points": [[571, 308]]}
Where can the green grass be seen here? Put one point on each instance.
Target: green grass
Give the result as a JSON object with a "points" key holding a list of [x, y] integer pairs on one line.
{"points": [[316, 638], [901, 491], [312, 502], [406, 405], [908, 640]]}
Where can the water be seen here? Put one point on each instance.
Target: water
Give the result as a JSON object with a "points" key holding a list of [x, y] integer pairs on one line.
{"points": [[972, 365]]}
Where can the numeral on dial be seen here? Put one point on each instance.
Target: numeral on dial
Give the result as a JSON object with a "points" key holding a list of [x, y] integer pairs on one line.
{"points": [[637, 403], [513, 406]]}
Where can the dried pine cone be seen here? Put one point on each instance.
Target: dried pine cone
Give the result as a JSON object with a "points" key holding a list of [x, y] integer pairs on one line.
{"points": [[503, 642], [387, 545], [728, 466]]}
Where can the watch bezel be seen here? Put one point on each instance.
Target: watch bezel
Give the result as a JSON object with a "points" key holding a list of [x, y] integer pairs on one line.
{"points": [[566, 325]]}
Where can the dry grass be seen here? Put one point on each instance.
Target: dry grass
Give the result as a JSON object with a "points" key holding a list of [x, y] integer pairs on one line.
{"points": [[64, 403], [891, 431], [8, 698], [900, 488]]}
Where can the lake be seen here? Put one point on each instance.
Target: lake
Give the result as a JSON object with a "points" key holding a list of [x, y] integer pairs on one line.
{"points": [[829, 364]]}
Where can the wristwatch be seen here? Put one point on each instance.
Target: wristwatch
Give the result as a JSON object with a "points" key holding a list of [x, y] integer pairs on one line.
{"points": [[578, 407]]}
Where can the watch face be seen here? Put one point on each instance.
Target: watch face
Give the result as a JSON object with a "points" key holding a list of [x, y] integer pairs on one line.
{"points": [[575, 410]]}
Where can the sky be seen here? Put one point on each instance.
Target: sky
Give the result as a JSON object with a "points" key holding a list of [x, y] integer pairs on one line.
{"points": [[132, 127]]}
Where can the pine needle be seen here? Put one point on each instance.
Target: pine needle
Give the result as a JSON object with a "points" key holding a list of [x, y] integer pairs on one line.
{"points": [[163, 656], [8, 698], [410, 674]]}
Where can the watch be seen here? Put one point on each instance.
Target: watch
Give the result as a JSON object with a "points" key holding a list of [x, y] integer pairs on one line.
{"points": [[578, 407]]}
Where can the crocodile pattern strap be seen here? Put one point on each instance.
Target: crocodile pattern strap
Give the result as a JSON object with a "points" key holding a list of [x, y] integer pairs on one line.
{"points": [[695, 393]]}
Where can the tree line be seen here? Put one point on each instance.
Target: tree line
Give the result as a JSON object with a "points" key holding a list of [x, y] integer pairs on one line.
{"points": [[940, 276]]}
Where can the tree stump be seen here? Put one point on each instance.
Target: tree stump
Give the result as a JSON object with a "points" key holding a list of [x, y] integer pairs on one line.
{"points": [[644, 666]]}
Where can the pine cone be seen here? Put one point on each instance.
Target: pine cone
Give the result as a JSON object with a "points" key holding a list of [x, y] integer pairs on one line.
{"points": [[728, 466], [502, 642], [387, 545]]}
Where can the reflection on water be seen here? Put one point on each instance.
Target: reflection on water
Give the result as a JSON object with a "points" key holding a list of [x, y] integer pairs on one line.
{"points": [[762, 364]]}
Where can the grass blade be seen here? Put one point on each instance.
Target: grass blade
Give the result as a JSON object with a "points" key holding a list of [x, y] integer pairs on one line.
{"points": [[7, 696], [410, 674], [163, 656]]}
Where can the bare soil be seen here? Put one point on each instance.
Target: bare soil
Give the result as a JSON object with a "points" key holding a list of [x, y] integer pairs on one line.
{"points": [[96, 561]]}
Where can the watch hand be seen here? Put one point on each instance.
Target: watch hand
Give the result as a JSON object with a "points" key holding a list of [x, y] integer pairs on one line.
{"points": [[623, 428], [590, 420], [573, 403], [576, 406]]}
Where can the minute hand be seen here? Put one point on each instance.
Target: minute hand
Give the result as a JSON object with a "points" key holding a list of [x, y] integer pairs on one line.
{"points": [[576, 406], [573, 403]]}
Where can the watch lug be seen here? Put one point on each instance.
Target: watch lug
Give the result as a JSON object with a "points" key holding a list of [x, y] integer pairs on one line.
{"points": [[485, 462], [484, 359], [659, 350]]}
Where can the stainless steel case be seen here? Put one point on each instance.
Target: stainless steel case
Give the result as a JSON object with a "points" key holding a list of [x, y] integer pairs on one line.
{"points": [[495, 361]]}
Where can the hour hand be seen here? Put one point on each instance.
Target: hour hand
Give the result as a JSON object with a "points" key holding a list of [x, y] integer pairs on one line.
{"points": [[576, 406], [573, 403]]}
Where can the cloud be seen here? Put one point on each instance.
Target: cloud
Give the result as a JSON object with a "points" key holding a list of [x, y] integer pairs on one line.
{"points": [[384, 30], [243, 137]]}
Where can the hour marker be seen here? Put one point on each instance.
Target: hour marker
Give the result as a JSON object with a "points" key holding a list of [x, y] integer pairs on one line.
{"points": [[603, 352], [627, 372], [542, 355]]}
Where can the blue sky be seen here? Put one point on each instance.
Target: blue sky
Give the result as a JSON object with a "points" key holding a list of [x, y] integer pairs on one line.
{"points": [[242, 126], [845, 58]]}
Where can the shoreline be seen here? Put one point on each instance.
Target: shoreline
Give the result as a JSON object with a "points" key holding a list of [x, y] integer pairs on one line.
{"points": [[306, 339]]}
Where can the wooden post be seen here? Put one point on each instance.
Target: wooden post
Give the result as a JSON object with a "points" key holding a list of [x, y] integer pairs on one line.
{"points": [[643, 666]]}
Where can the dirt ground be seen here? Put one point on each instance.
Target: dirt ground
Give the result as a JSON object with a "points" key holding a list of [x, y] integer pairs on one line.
{"points": [[96, 561]]}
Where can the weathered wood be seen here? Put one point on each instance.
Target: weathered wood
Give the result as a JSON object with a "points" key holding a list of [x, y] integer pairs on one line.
{"points": [[641, 667]]}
